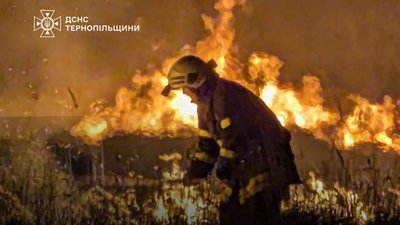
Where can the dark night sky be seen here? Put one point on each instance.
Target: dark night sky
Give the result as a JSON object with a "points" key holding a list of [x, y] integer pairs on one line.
{"points": [[352, 45]]}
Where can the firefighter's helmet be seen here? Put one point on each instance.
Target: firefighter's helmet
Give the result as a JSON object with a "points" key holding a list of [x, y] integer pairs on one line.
{"points": [[189, 71]]}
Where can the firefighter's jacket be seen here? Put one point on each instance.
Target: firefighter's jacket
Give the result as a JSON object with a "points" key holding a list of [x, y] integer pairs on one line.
{"points": [[245, 140]]}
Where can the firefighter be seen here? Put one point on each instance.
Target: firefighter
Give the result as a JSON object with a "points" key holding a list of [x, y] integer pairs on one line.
{"points": [[242, 138]]}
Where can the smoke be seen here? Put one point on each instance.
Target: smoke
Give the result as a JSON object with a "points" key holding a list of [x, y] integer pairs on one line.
{"points": [[35, 73], [352, 45]]}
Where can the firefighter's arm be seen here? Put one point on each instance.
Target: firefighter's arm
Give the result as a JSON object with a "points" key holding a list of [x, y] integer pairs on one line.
{"points": [[203, 156], [229, 146], [230, 127]]}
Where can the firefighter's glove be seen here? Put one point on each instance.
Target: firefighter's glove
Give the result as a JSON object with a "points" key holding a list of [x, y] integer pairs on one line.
{"points": [[224, 169], [189, 181], [222, 189]]}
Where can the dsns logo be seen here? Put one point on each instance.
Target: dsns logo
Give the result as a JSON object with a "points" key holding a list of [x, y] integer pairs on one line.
{"points": [[47, 23]]}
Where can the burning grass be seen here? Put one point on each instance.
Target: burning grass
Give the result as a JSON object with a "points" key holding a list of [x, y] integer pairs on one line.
{"points": [[34, 189]]}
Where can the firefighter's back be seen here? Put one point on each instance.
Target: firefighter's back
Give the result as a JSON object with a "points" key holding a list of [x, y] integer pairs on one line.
{"points": [[246, 103], [261, 126]]}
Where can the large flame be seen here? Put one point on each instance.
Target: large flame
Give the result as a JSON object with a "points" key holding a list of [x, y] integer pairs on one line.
{"points": [[303, 107], [370, 123], [141, 109]]}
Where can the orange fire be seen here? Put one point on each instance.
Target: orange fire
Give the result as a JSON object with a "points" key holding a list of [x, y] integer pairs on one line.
{"points": [[303, 107], [315, 196], [141, 109], [374, 123], [197, 202]]}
